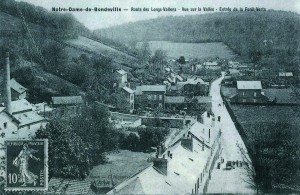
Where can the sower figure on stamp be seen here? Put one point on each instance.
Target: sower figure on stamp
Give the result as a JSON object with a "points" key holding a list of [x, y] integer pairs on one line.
{"points": [[21, 161]]}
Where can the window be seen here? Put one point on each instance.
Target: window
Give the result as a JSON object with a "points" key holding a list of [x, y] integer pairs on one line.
{"points": [[154, 97], [150, 97], [254, 100], [244, 100], [5, 125], [160, 105], [160, 97], [243, 93], [131, 96], [254, 94]]}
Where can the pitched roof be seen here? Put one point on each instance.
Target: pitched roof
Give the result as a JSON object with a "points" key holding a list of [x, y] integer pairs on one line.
{"points": [[174, 99], [17, 86], [233, 71], [28, 118], [142, 88], [2, 108], [20, 105], [67, 186], [183, 169], [121, 72], [210, 63], [204, 99], [127, 89], [65, 100], [249, 85]]}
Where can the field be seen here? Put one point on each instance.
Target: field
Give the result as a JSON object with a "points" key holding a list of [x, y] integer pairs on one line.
{"points": [[192, 50], [251, 116], [97, 47], [121, 166]]}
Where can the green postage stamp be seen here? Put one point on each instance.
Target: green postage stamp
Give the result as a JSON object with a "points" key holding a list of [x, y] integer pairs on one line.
{"points": [[26, 165]]}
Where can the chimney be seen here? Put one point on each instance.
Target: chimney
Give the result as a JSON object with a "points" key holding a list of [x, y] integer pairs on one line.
{"points": [[187, 142], [161, 164], [7, 84]]}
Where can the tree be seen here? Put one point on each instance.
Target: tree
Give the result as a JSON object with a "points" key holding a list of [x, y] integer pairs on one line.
{"points": [[93, 126], [273, 151], [69, 156], [181, 60], [159, 59], [144, 53]]}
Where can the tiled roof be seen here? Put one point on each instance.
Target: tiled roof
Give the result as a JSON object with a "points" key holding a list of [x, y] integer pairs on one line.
{"points": [[249, 85], [67, 186], [65, 100]]}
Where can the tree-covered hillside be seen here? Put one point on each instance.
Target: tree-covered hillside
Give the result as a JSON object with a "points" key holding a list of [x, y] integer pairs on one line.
{"points": [[268, 32]]}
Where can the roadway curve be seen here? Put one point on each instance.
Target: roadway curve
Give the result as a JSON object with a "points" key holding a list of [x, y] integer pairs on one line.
{"points": [[234, 180]]}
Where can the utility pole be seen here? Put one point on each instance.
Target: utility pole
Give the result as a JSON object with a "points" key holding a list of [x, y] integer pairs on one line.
{"points": [[254, 71]]}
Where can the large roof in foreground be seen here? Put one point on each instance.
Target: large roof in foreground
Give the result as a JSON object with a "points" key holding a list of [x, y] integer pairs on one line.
{"points": [[183, 169], [249, 85]]}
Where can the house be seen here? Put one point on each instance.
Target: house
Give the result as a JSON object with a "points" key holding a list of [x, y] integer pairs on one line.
{"points": [[129, 94], [212, 65], [249, 92], [285, 77], [17, 90], [193, 85], [66, 105], [65, 101], [285, 74], [174, 78], [233, 64], [184, 167], [121, 76], [234, 72], [155, 95], [23, 122]]}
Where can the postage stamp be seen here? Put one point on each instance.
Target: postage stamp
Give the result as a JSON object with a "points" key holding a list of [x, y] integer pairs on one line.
{"points": [[26, 165]]}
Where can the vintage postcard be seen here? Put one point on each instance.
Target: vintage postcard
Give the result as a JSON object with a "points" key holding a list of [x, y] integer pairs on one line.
{"points": [[26, 165], [150, 96]]}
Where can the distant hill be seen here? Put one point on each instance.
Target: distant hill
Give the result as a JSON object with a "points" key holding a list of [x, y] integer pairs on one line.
{"points": [[241, 31]]}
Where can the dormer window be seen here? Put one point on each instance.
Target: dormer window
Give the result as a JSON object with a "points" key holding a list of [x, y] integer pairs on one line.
{"points": [[5, 125]]}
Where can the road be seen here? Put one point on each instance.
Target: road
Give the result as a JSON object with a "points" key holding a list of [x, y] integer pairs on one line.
{"points": [[234, 180]]}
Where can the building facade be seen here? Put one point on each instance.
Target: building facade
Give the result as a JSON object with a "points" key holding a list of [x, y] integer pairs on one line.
{"points": [[249, 92], [154, 94]]}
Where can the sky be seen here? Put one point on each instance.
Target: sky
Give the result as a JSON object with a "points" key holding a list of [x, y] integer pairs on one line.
{"points": [[96, 20]]}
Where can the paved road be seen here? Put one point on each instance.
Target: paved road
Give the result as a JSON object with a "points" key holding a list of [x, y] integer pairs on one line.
{"points": [[227, 181]]}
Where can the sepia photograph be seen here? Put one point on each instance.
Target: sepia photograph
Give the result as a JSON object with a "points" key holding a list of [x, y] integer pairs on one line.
{"points": [[149, 97]]}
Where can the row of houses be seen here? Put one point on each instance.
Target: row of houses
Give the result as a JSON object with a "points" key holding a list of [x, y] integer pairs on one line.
{"points": [[183, 167]]}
